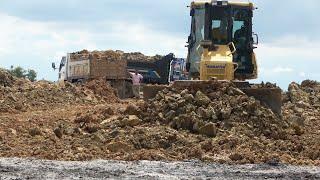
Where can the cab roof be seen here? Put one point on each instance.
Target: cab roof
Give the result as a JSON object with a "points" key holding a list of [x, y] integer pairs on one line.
{"points": [[201, 3]]}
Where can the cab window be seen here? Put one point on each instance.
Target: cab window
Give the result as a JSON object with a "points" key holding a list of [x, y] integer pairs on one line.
{"points": [[220, 26], [240, 28]]}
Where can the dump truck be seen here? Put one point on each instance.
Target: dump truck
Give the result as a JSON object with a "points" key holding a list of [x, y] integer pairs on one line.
{"points": [[114, 66], [221, 48], [82, 66]]}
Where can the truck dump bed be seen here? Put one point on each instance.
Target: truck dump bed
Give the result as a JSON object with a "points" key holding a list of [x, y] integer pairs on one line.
{"points": [[108, 64], [155, 69], [97, 64]]}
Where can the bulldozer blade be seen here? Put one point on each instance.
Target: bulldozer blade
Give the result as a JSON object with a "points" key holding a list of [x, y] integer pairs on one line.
{"points": [[150, 91], [269, 97]]}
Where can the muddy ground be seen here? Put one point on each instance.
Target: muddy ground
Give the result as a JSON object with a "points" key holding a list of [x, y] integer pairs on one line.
{"points": [[99, 169]]}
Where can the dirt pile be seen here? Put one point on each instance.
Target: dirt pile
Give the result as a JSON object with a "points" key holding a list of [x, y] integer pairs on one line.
{"points": [[113, 55], [24, 95], [102, 89], [221, 124], [210, 111], [100, 132], [302, 102], [302, 110], [6, 79], [216, 125], [308, 92]]}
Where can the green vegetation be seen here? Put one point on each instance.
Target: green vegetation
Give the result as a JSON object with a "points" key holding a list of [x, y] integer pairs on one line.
{"points": [[19, 72]]}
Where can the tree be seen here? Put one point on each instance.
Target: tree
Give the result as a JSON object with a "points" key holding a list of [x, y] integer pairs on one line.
{"points": [[19, 72], [31, 75]]}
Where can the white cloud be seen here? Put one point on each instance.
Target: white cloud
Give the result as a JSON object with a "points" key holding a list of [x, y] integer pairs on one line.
{"points": [[291, 46], [302, 74], [47, 37], [140, 37], [287, 59], [282, 70], [275, 70], [3, 51], [48, 40]]}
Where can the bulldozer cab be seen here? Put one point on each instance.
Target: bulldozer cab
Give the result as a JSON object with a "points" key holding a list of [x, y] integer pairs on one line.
{"points": [[226, 23], [219, 24]]}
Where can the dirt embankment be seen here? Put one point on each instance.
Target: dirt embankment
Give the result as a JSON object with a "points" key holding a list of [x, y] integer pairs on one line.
{"points": [[20, 95], [68, 122]]}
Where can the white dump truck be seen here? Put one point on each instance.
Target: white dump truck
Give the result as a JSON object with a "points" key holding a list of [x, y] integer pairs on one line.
{"points": [[114, 66], [82, 66]]}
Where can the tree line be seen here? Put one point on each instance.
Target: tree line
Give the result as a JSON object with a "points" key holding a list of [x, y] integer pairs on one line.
{"points": [[20, 72]]}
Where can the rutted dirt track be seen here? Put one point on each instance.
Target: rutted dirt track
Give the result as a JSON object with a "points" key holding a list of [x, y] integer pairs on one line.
{"points": [[39, 169]]}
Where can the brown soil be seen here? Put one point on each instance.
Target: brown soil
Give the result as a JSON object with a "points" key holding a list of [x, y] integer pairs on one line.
{"points": [[24, 95], [114, 55], [68, 122]]}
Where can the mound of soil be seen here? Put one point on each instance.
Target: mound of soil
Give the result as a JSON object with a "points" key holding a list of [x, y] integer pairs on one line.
{"points": [[209, 111], [215, 125], [23, 95]]}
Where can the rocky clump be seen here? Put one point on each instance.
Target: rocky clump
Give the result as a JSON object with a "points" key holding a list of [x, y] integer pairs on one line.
{"points": [[306, 94], [212, 111], [302, 110], [300, 103]]}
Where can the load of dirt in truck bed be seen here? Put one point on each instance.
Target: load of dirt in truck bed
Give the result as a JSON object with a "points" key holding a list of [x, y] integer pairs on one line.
{"points": [[139, 57], [113, 55], [22, 95], [105, 55], [217, 125]]}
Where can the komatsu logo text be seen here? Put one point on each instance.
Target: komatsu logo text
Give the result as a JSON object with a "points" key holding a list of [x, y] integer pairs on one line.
{"points": [[216, 66]]}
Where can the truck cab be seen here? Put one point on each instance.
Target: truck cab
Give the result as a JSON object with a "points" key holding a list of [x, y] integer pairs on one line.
{"points": [[62, 69]]}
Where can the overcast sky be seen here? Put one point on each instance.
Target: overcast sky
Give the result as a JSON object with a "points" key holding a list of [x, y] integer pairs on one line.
{"points": [[36, 32]]}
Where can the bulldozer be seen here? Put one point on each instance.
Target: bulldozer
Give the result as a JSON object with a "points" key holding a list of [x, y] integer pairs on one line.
{"points": [[221, 43], [221, 48]]}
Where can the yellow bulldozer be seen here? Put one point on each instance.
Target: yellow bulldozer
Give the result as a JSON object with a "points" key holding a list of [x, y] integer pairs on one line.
{"points": [[221, 41], [221, 48]]}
